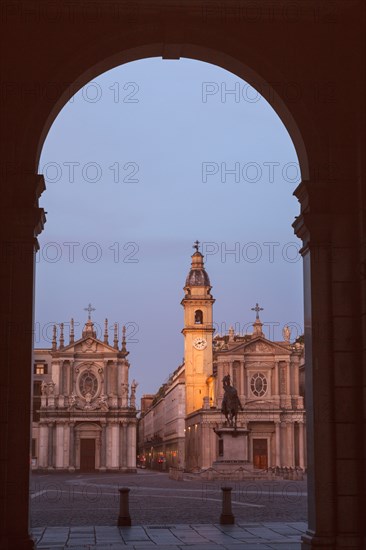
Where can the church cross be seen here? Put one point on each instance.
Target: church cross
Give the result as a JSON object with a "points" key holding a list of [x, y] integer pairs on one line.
{"points": [[89, 309], [257, 309], [196, 245]]}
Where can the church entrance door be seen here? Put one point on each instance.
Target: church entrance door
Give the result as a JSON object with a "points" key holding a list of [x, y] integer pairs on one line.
{"points": [[260, 454], [87, 455]]}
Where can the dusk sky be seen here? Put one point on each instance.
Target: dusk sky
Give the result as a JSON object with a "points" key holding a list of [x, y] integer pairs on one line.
{"points": [[142, 162]]}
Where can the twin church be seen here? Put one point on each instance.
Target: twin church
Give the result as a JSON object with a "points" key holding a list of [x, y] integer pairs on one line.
{"points": [[85, 416]]}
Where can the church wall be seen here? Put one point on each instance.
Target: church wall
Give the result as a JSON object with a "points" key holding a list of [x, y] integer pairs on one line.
{"points": [[63, 423]]}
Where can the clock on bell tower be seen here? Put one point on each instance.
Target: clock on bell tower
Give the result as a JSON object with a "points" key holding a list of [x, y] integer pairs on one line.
{"points": [[198, 332]]}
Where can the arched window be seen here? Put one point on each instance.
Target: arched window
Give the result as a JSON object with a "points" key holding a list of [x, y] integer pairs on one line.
{"points": [[198, 317]]}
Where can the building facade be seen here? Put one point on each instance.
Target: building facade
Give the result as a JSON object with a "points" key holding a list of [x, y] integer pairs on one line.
{"points": [[161, 427], [84, 416], [268, 376]]}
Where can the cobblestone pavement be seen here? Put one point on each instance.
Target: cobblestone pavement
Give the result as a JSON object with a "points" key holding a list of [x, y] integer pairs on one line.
{"points": [[72, 500], [258, 536]]}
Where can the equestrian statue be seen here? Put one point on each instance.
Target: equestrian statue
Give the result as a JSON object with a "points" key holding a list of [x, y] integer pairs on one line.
{"points": [[230, 403]]}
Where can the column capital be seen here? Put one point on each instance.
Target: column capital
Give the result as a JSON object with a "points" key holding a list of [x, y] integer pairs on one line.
{"points": [[313, 225]]}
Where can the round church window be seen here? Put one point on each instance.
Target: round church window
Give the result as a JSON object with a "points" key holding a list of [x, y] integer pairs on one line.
{"points": [[258, 384], [88, 384]]}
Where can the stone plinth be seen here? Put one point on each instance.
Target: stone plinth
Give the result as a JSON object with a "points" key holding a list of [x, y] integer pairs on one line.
{"points": [[234, 450]]}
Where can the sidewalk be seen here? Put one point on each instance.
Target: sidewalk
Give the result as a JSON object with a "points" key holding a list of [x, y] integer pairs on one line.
{"points": [[249, 536]]}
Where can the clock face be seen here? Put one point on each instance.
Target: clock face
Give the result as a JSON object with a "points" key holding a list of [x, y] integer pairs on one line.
{"points": [[199, 343]]}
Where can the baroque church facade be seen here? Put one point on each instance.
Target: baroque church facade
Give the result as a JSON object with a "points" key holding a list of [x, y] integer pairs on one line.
{"points": [[84, 409], [268, 377]]}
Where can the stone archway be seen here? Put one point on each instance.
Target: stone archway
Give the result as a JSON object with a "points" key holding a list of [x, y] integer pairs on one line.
{"points": [[292, 56]]}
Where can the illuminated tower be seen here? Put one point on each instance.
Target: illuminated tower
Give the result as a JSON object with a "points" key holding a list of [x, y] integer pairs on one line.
{"points": [[197, 331]]}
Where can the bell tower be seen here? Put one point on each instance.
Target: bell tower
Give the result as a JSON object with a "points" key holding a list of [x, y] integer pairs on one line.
{"points": [[198, 331]]}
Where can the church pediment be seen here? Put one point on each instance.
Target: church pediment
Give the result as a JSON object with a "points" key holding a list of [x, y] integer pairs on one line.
{"points": [[89, 345], [258, 345], [261, 345]]}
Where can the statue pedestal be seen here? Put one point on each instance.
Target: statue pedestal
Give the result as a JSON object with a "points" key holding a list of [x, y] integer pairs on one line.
{"points": [[233, 449]]}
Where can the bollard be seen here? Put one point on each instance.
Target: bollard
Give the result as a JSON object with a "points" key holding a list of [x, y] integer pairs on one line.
{"points": [[124, 518], [227, 517]]}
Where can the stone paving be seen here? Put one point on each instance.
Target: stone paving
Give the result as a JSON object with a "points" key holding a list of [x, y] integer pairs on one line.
{"points": [[204, 536], [81, 512], [83, 500]]}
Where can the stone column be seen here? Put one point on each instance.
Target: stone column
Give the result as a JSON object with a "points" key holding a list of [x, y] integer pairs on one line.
{"points": [[131, 462], [59, 445], [288, 378], [294, 366], [290, 451], [124, 445], [43, 446], [106, 382], [278, 444], [301, 445], [114, 446], [218, 385], [283, 446], [71, 377], [61, 378], [276, 381], [22, 222], [242, 387], [103, 449], [122, 402], [50, 446], [72, 447], [205, 445], [56, 375], [66, 374], [314, 228]]}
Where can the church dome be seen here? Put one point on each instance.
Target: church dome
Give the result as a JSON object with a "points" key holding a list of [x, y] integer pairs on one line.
{"points": [[197, 275]]}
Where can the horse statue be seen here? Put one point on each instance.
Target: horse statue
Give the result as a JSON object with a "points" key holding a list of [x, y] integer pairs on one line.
{"points": [[230, 403]]}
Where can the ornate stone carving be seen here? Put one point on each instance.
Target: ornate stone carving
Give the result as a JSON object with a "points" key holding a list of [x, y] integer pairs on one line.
{"points": [[258, 347], [89, 345], [134, 385], [50, 388]]}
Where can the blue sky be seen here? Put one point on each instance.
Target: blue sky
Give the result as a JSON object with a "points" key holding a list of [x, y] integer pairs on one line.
{"points": [[146, 159]]}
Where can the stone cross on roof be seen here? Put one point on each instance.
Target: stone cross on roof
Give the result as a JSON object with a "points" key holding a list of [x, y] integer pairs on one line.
{"points": [[196, 245], [257, 309], [89, 309]]}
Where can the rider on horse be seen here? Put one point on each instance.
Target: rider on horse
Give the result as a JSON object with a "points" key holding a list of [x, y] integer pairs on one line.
{"points": [[231, 402]]}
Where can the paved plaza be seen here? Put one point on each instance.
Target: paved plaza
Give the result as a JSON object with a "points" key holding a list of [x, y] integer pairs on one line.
{"points": [[80, 500], [81, 511], [255, 536]]}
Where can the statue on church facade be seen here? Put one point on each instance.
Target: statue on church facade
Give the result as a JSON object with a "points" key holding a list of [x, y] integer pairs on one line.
{"points": [[286, 333], [134, 385], [230, 403]]}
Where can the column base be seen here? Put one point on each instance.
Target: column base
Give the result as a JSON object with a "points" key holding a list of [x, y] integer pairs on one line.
{"points": [[349, 541], [20, 543], [310, 540], [227, 519]]}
